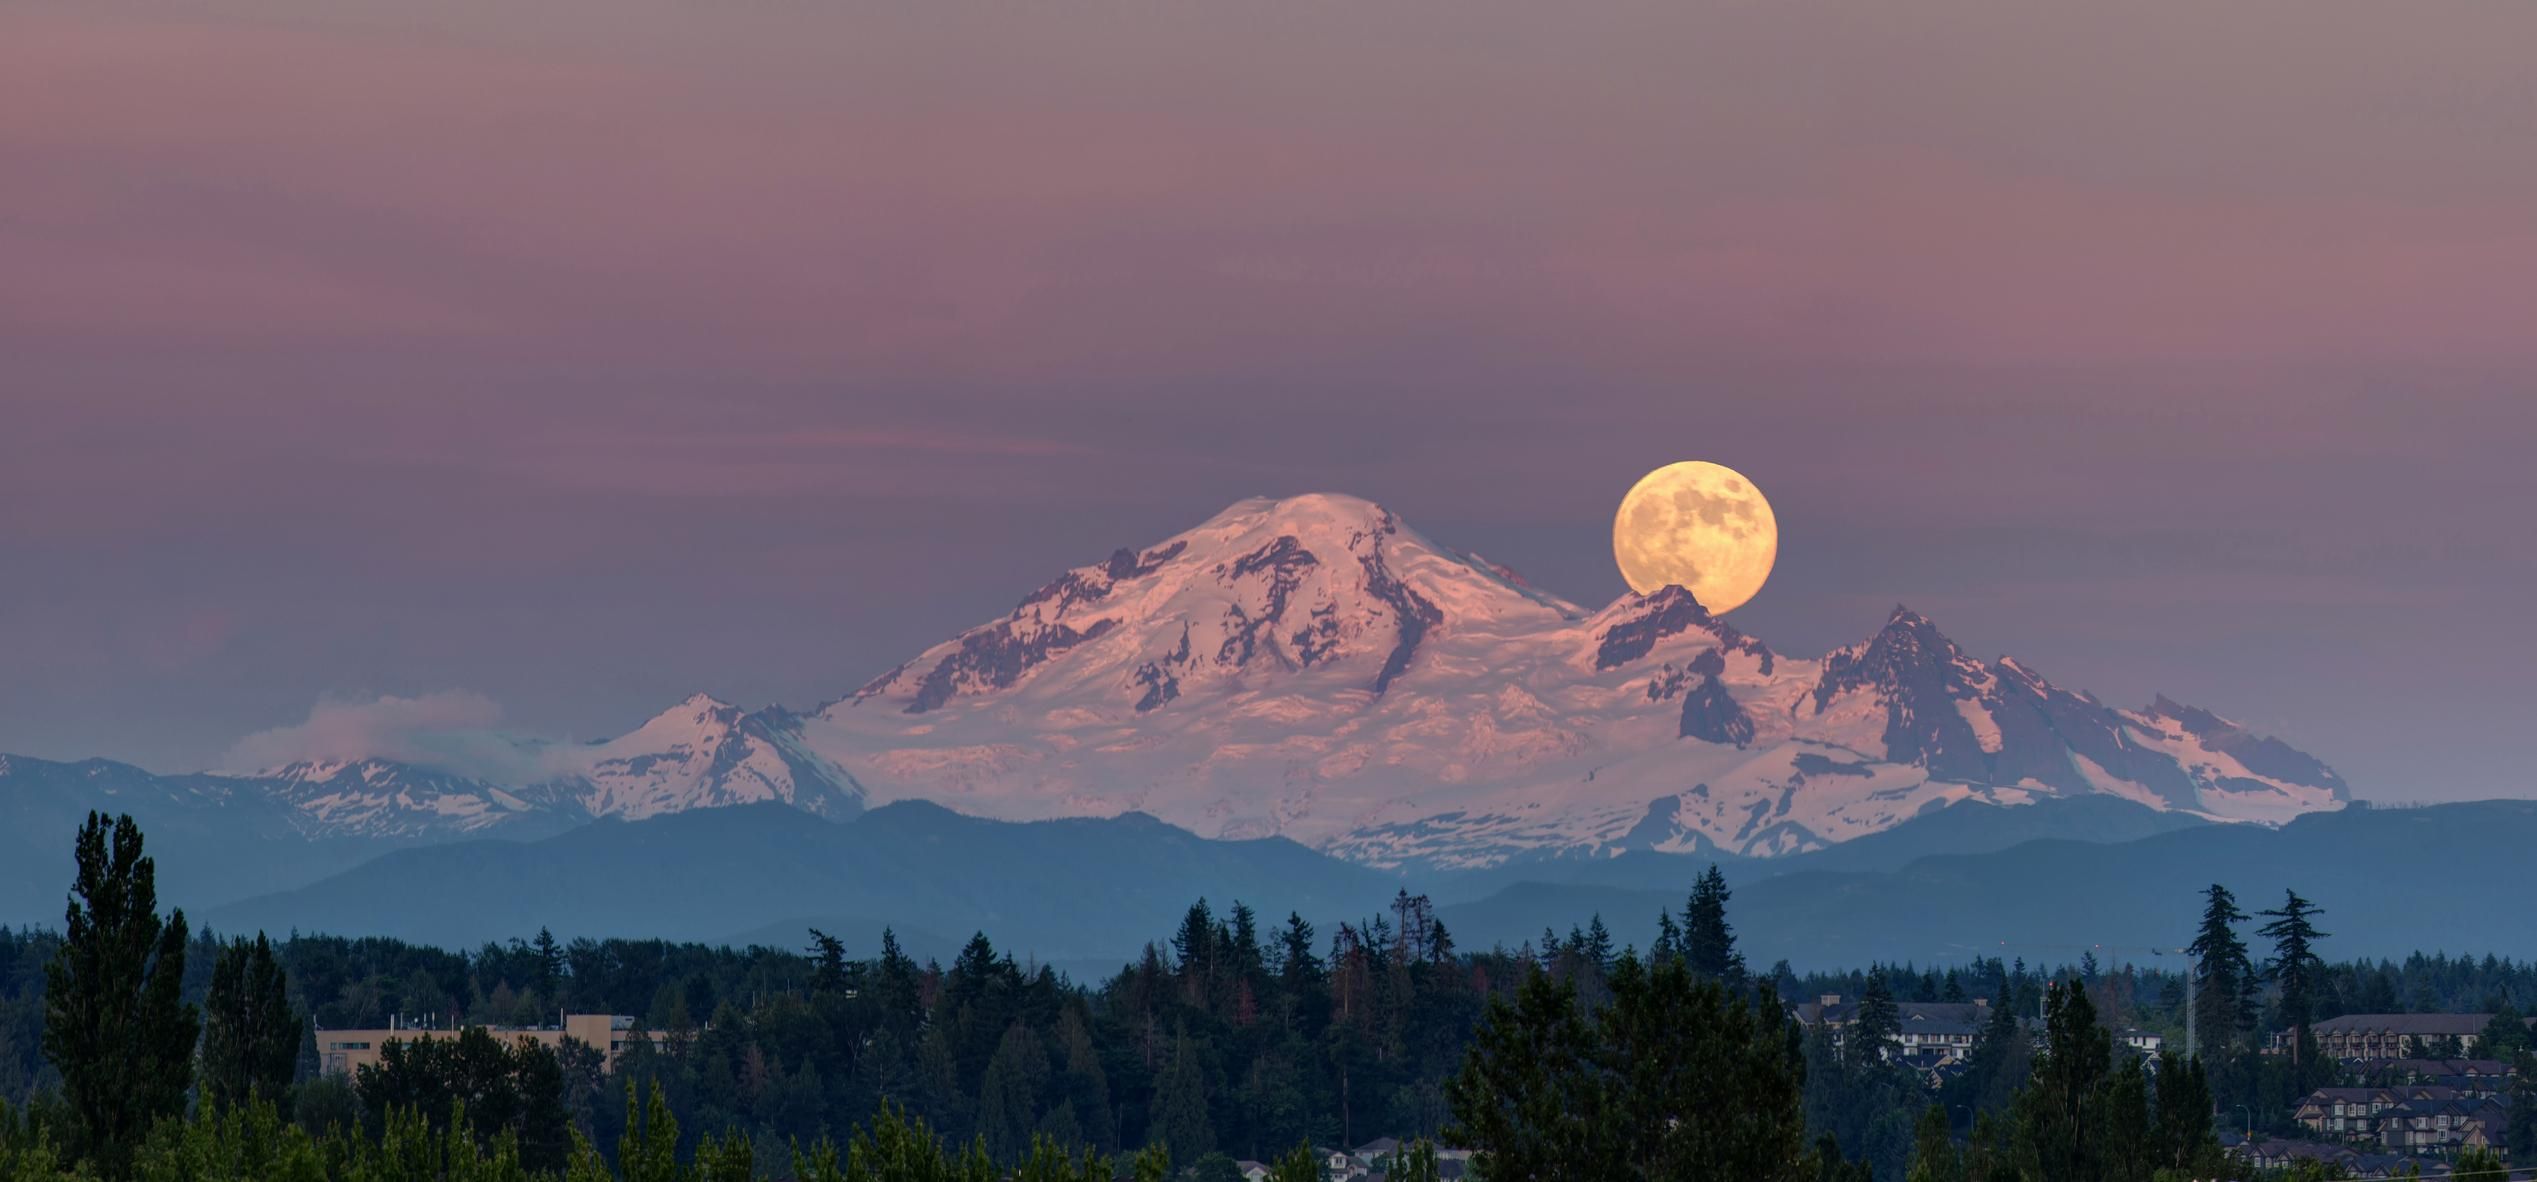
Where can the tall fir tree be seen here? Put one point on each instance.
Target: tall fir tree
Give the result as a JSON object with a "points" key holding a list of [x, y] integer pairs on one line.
{"points": [[1669, 938], [1194, 949], [2505, 1036], [1708, 940], [1297, 1165], [1009, 1095], [1545, 1095], [251, 1036], [2295, 968], [2224, 975], [1596, 947], [1299, 968], [827, 963], [115, 1022], [2183, 1141], [2061, 1121], [549, 969], [1874, 1030], [1181, 1121], [1934, 1154], [1248, 962], [2520, 1136]]}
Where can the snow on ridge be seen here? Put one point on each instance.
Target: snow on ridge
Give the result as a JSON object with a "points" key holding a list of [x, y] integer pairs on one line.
{"points": [[1313, 667], [1511, 723]]}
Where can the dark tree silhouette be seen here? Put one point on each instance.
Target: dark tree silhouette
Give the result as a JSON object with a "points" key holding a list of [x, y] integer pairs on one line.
{"points": [[114, 1022]]}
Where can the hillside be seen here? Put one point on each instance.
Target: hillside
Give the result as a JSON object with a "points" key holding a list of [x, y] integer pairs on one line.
{"points": [[2393, 881]]}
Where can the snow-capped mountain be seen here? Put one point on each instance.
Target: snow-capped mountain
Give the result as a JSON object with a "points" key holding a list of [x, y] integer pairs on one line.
{"points": [[383, 798], [704, 753], [1312, 667], [701, 753]]}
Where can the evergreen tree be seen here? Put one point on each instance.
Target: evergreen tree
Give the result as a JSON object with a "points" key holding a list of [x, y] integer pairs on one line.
{"points": [[1829, 1166], [648, 1152], [2505, 1036], [2182, 1139], [2224, 974], [1873, 1034], [898, 996], [1009, 1097], [1934, 1156], [1526, 1090], [507, 1094], [2295, 967], [1247, 963], [1181, 1122], [115, 1024], [2478, 1165], [548, 968], [2126, 1142], [1673, 1079], [938, 1091], [2061, 1120], [2521, 1134], [1298, 1165], [1194, 952], [1708, 940], [827, 963], [1596, 946], [251, 1036], [1416, 1162], [1082, 1083], [1299, 969]]}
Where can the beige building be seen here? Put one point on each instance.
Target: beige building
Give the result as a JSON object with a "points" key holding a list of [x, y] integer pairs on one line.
{"points": [[2392, 1036], [347, 1051]]}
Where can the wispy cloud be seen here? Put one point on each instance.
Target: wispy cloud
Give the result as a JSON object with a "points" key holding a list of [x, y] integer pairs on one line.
{"points": [[454, 730]]}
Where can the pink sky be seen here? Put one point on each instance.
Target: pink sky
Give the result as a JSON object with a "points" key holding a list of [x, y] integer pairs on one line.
{"points": [[581, 357]]}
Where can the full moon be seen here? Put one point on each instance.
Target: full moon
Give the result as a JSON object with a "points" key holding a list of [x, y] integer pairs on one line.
{"points": [[1700, 526]]}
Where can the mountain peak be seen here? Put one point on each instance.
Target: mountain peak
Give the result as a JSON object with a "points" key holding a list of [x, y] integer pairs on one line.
{"points": [[704, 753], [1326, 586], [1302, 511], [1903, 622], [1634, 625]]}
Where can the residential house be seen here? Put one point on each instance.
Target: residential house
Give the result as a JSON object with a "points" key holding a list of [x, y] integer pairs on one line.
{"points": [[2473, 1077], [2346, 1114], [2275, 1154], [2392, 1036], [1932, 1032], [2444, 1125]]}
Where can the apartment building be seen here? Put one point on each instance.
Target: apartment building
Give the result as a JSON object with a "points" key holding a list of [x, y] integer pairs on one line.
{"points": [[347, 1051]]}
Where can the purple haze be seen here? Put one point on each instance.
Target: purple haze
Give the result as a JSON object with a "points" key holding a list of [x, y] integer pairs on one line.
{"points": [[575, 360]]}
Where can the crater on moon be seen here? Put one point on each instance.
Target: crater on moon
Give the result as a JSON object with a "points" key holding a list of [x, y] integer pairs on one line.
{"points": [[1703, 527]]}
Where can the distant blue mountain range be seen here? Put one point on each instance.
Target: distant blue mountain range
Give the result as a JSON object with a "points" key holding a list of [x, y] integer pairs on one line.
{"points": [[1086, 895], [2044, 881]]}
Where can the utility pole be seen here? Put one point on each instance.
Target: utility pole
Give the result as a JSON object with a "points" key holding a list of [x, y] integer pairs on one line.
{"points": [[2193, 1011]]}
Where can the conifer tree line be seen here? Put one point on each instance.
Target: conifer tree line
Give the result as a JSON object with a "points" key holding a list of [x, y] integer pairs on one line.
{"points": [[165, 1054]]}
